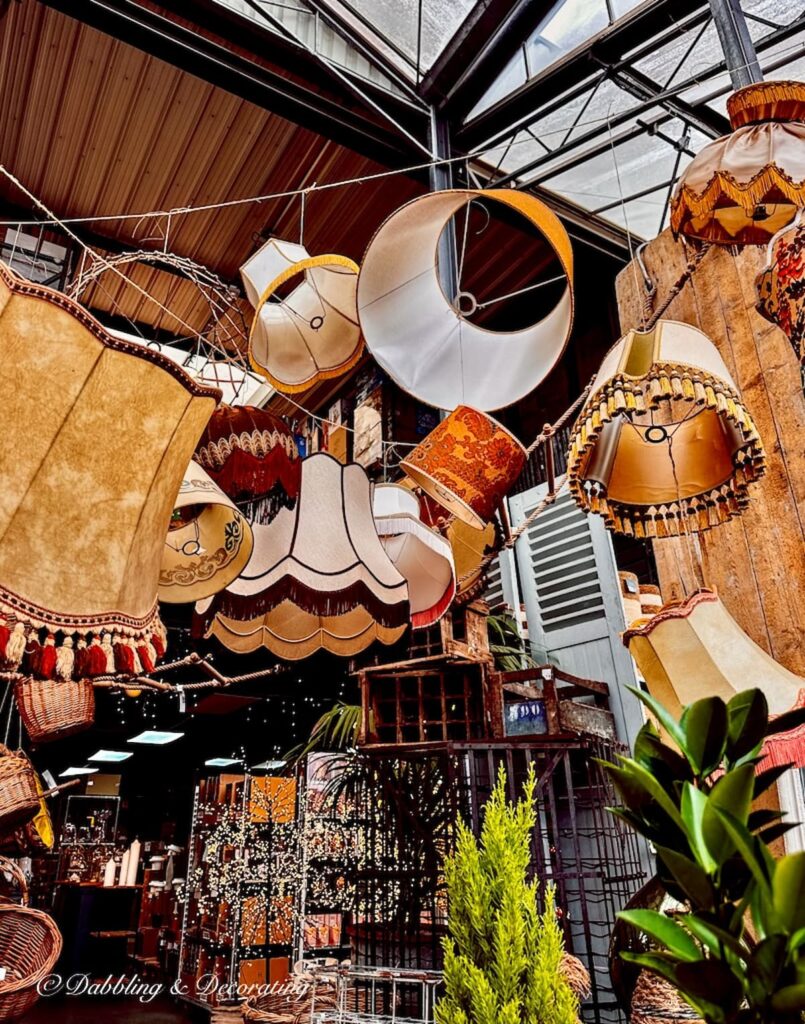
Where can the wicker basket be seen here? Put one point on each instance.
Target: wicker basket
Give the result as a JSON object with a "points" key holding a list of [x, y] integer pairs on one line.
{"points": [[294, 1007], [656, 1001], [30, 944], [577, 976], [19, 796], [53, 708]]}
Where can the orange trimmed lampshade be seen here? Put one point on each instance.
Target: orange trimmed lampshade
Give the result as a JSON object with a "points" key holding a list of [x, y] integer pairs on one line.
{"points": [[468, 464], [208, 544], [310, 335], [426, 344], [251, 455], [422, 555], [694, 648], [663, 444], [781, 285], [97, 435], [742, 188], [319, 577]]}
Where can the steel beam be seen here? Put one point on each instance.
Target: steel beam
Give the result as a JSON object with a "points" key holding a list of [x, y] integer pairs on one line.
{"points": [[736, 42]]}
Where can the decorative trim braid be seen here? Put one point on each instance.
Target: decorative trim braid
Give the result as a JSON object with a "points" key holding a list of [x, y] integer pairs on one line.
{"points": [[688, 204]]}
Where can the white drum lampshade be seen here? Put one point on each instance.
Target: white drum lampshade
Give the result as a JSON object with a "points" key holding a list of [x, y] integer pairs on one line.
{"points": [[427, 345]]}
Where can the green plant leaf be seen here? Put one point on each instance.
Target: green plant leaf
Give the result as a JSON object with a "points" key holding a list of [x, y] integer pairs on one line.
{"points": [[689, 876], [642, 780], [714, 938], [788, 720], [788, 888], [750, 849], [766, 963], [768, 835], [762, 818], [653, 754], [694, 802], [711, 980], [765, 779], [665, 718], [705, 725], [789, 999], [733, 792], [664, 930], [659, 963], [747, 718]]}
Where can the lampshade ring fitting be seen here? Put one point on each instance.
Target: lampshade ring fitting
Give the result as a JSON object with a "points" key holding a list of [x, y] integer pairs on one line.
{"points": [[656, 434], [465, 303], [316, 323]]}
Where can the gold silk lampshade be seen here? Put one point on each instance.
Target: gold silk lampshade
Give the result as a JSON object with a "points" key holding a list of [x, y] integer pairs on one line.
{"points": [[663, 444], [251, 455], [209, 542], [312, 334], [470, 547], [421, 554], [468, 463], [781, 284], [319, 577], [98, 434], [426, 344], [742, 188], [694, 648]]}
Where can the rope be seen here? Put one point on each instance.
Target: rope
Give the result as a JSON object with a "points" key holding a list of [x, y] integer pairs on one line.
{"points": [[680, 283]]}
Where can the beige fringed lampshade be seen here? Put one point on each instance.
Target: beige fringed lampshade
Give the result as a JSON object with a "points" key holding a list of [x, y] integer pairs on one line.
{"points": [[468, 464], [319, 577], [423, 556], [694, 648], [97, 436], [745, 186], [310, 335], [427, 345], [208, 544], [663, 445]]}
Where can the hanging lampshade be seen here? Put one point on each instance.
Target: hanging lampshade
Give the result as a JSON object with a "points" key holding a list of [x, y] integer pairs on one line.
{"points": [[310, 335], [318, 576], [422, 555], [468, 463], [470, 547], [251, 455], [663, 444], [425, 343], [97, 435], [742, 188], [694, 648], [781, 284], [208, 544]]}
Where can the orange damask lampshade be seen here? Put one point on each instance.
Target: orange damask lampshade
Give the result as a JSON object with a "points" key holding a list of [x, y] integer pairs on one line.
{"points": [[663, 444], [781, 284], [208, 544], [97, 436], [694, 648], [312, 334], [742, 188], [468, 464]]}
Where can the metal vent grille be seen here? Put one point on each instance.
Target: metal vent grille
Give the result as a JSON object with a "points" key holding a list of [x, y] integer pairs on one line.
{"points": [[565, 572]]}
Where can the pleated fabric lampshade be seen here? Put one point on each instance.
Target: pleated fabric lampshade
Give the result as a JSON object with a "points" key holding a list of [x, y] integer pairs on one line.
{"points": [[663, 445], [468, 463], [781, 284], [421, 554], [209, 542], [742, 188], [694, 648], [319, 577], [311, 334], [426, 344], [252, 456], [97, 436]]}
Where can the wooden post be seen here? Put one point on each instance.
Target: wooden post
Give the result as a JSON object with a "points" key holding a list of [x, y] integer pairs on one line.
{"points": [[756, 561]]}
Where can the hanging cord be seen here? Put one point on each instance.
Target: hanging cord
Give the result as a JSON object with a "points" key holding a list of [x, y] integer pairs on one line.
{"points": [[679, 284]]}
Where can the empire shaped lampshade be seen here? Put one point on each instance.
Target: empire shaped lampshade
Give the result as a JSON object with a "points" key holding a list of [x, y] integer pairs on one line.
{"points": [[663, 444], [97, 436], [421, 554], [426, 344], [742, 188], [319, 577], [209, 542], [694, 648], [311, 334]]}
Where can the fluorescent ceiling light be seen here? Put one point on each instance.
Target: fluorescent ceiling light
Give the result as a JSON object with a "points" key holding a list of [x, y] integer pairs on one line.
{"points": [[156, 737], [222, 762], [268, 765], [111, 755], [76, 771]]}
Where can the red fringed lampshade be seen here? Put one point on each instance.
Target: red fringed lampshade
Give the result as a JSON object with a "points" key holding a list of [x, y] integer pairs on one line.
{"points": [[252, 456]]}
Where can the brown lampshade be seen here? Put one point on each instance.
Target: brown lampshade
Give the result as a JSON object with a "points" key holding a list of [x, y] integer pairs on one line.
{"points": [[781, 284], [208, 544], [426, 344], [98, 434], [468, 464], [319, 576], [694, 648], [663, 444], [742, 188], [312, 334]]}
